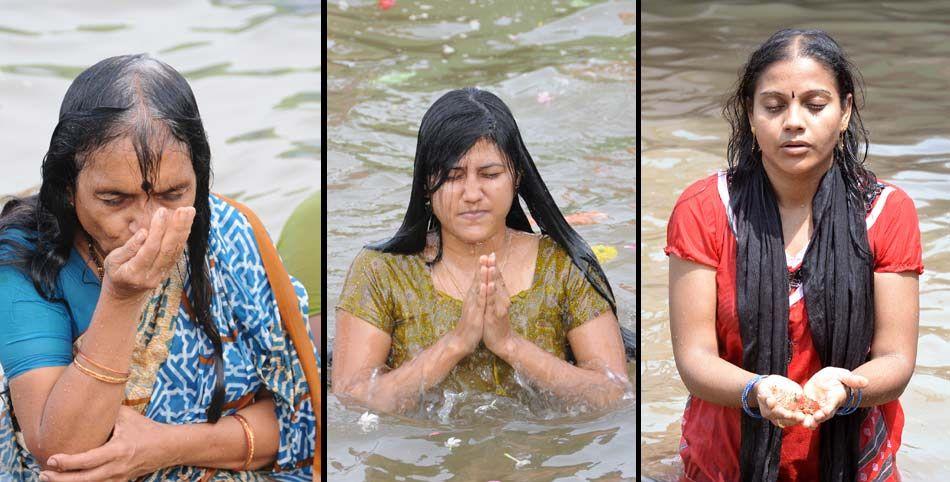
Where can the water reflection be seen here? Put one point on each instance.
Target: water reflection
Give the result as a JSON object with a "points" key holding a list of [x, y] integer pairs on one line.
{"points": [[691, 56]]}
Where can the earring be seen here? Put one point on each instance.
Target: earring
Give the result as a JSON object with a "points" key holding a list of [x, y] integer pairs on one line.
{"points": [[841, 141], [755, 141]]}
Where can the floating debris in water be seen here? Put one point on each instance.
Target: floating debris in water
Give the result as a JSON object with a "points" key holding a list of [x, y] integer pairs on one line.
{"points": [[395, 78], [604, 253], [584, 218], [343, 5], [369, 422], [453, 442], [545, 97], [386, 4], [484, 408], [474, 25], [518, 462], [448, 50]]}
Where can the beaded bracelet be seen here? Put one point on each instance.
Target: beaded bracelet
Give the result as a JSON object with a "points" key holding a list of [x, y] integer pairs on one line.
{"points": [[745, 396]]}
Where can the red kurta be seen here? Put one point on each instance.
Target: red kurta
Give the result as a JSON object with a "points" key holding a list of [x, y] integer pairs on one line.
{"points": [[700, 231]]}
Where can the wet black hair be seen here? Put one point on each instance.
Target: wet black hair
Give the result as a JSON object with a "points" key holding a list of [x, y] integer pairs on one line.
{"points": [[129, 96], [451, 126], [836, 272]]}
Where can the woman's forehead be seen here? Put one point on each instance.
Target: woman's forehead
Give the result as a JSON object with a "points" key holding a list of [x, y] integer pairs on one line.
{"points": [[483, 153], [117, 166], [796, 75]]}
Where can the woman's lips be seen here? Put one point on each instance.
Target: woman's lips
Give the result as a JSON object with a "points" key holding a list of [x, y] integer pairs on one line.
{"points": [[795, 148], [473, 215]]}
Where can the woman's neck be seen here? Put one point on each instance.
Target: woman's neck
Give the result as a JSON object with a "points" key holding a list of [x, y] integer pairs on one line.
{"points": [[462, 252], [795, 192]]}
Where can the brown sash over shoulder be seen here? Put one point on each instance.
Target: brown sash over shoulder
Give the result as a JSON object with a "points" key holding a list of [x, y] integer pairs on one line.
{"points": [[290, 317]]}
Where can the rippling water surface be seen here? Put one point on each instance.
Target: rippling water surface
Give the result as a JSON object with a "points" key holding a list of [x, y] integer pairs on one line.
{"points": [[254, 67], [691, 55], [567, 70]]}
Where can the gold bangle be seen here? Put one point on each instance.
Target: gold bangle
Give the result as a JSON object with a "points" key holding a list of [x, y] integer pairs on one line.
{"points": [[99, 376], [101, 366], [248, 438]]}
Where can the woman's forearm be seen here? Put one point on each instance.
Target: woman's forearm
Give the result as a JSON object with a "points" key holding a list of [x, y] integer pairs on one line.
{"points": [[713, 379], [223, 445], [887, 376], [596, 386], [399, 390], [80, 410]]}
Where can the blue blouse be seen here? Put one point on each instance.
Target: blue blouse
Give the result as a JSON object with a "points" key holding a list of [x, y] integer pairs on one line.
{"points": [[36, 333]]}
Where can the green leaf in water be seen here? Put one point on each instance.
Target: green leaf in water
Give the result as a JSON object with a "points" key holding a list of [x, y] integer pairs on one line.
{"points": [[395, 78]]}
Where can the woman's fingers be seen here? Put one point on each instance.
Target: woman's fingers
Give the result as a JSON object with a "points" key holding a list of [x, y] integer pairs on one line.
{"points": [[145, 257], [178, 226], [85, 460], [127, 251], [482, 289], [99, 473], [854, 381]]}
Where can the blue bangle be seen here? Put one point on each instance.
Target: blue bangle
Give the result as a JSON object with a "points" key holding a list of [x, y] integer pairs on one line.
{"points": [[745, 396], [846, 408], [854, 403]]}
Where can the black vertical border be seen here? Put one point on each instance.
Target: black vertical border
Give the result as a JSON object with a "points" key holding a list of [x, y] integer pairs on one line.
{"points": [[639, 244], [323, 236]]}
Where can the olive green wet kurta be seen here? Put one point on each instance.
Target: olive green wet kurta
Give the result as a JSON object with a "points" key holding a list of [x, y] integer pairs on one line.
{"points": [[395, 293]]}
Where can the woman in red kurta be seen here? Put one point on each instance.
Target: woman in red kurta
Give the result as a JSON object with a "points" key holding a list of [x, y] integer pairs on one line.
{"points": [[798, 105], [699, 231]]}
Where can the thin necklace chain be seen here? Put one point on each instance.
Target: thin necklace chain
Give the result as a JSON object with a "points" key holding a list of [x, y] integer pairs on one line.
{"points": [[501, 270], [94, 255]]}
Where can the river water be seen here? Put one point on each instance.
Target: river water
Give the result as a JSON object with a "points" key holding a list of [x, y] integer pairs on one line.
{"points": [[254, 68], [567, 71], [691, 55]]}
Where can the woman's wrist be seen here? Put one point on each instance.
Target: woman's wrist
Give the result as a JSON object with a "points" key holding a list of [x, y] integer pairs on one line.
{"points": [[506, 348], [109, 293], [460, 344], [173, 445]]}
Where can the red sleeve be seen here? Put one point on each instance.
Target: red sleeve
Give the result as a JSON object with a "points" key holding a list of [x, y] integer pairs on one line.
{"points": [[694, 231], [894, 236]]}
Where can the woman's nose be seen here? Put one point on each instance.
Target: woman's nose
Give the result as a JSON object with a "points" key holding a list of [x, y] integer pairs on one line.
{"points": [[471, 190], [793, 118], [142, 218]]}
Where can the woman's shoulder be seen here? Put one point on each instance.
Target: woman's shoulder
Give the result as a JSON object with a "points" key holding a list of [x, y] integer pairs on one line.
{"points": [[704, 190], [703, 205], [888, 203], [382, 263], [894, 230]]}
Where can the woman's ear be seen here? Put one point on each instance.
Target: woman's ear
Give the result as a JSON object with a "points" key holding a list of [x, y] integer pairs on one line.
{"points": [[846, 115]]}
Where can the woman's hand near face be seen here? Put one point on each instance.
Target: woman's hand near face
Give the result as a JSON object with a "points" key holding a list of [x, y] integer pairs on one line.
{"points": [[469, 329], [144, 261], [497, 333]]}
